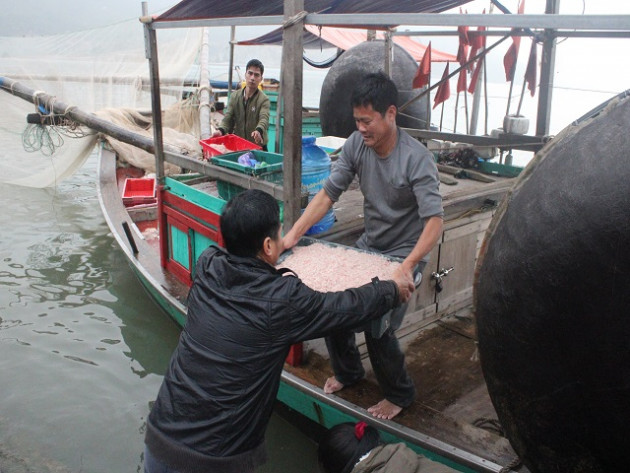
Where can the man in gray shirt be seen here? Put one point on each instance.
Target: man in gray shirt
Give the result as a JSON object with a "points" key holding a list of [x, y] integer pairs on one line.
{"points": [[403, 218]]}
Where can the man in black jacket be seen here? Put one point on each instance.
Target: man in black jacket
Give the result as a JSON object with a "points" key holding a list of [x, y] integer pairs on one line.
{"points": [[216, 399]]}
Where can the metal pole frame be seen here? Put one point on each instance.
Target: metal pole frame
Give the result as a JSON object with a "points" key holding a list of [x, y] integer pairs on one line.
{"points": [[291, 80], [548, 65], [150, 42]]}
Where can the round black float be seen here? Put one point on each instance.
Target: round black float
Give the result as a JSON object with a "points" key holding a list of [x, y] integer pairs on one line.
{"points": [[552, 301], [335, 111]]}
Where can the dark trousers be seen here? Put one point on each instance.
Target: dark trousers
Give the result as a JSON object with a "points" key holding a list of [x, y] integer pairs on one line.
{"points": [[386, 357], [388, 361]]}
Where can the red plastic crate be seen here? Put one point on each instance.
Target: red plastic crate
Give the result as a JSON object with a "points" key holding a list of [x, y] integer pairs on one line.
{"points": [[231, 142], [137, 191]]}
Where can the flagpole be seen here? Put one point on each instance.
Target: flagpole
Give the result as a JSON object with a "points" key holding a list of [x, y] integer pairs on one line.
{"points": [[507, 112], [428, 122], [466, 110], [479, 43], [455, 121], [516, 45], [520, 102], [485, 81], [485, 95], [474, 116]]}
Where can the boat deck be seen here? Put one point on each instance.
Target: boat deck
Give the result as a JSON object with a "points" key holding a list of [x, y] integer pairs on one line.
{"points": [[452, 402]]}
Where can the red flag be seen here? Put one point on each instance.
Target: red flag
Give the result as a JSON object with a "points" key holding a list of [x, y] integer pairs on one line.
{"points": [[461, 81], [462, 53], [477, 41], [530, 72], [509, 60], [464, 43], [475, 77], [444, 90], [463, 32], [424, 70]]}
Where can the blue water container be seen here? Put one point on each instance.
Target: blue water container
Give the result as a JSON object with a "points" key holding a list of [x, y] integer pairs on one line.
{"points": [[315, 171]]}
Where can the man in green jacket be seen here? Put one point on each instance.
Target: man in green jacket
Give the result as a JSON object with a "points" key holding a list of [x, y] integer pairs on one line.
{"points": [[247, 114]]}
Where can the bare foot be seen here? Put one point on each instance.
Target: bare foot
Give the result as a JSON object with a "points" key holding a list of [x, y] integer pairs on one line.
{"points": [[385, 410], [332, 385]]}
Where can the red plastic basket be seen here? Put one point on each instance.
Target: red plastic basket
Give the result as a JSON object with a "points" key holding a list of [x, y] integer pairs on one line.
{"points": [[231, 142], [139, 191]]}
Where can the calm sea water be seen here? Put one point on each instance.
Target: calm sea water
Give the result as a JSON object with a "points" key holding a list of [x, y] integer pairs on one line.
{"points": [[82, 347]]}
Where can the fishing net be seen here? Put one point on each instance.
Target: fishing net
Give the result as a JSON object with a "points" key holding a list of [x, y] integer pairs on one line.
{"points": [[102, 71]]}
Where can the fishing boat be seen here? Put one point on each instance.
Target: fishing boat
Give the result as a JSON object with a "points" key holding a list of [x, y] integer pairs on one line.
{"points": [[164, 227], [438, 333]]}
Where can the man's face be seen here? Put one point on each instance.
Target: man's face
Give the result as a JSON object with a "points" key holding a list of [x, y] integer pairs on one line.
{"points": [[277, 247], [374, 127], [254, 77]]}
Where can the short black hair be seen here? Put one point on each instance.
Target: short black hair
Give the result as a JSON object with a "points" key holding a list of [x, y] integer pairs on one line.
{"points": [[247, 219], [340, 449], [255, 63], [375, 89]]}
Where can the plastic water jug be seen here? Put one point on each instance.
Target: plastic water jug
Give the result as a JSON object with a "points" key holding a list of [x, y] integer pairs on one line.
{"points": [[315, 171]]}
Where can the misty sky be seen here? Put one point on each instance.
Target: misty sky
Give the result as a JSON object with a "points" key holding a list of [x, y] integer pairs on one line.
{"points": [[45, 17]]}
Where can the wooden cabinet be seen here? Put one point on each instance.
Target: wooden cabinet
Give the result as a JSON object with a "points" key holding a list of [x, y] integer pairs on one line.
{"points": [[457, 249], [189, 223]]}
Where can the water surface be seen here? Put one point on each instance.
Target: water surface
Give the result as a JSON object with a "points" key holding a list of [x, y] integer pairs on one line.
{"points": [[82, 347]]}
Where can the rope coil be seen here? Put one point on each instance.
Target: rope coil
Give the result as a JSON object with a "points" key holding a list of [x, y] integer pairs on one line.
{"points": [[47, 135]]}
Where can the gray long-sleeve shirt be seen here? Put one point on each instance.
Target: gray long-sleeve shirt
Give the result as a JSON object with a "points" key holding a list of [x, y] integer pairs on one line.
{"points": [[401, 191]]}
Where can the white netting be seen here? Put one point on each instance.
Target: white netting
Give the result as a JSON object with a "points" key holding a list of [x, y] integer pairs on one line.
{"points": [[182, 116], [103, 68]]}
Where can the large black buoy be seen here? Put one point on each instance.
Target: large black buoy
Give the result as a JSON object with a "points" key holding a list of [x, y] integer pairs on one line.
{"points": [[552, 301], [335, 111]]}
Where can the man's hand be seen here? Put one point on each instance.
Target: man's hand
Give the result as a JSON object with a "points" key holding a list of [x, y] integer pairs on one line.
{"points": [[257, 137], [404, 281], [289, 240]]}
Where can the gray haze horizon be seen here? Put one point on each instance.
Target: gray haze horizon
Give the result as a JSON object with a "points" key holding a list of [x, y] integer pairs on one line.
{"points": [[50, 17]]}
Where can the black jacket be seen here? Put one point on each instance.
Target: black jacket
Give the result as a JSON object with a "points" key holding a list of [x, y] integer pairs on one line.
{"points": [[217, 396]]}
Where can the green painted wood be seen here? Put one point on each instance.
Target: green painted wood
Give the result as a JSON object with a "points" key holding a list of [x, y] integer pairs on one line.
{"points": [[503, 170], [179, 246], [200, 243], [200, 198]]}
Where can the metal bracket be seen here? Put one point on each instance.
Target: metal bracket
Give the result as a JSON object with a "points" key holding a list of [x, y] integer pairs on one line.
{"points": [[439, 276]]}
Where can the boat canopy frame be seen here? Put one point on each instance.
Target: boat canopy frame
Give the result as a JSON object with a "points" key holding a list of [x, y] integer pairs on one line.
{"points": [[550, 26]]}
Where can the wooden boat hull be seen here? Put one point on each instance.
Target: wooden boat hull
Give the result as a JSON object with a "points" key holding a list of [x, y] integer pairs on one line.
{"points": [[145, 263]]}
